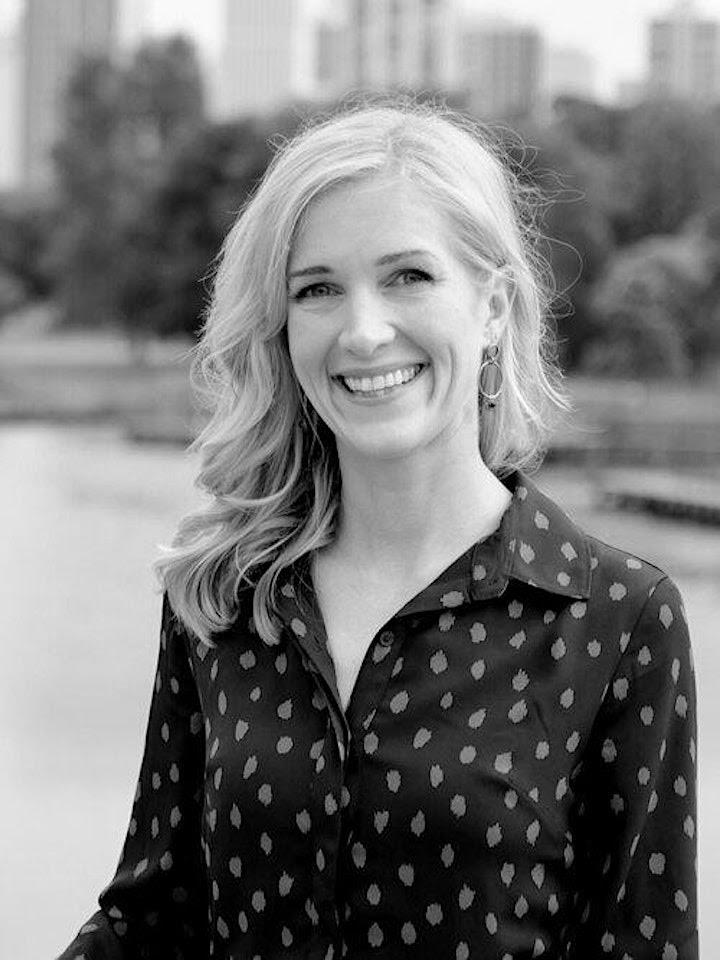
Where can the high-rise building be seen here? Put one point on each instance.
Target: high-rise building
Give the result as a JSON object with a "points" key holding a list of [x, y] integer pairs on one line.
{"points": [[277, 50], [501, 68], [332, 65], [269, 55], [409, 43], [134, 26], [685, 56], [9, 94], [54, 38], [569, 72]]}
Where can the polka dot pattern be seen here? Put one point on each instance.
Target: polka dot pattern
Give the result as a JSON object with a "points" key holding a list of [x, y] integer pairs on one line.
{"points": [[513, 777]]}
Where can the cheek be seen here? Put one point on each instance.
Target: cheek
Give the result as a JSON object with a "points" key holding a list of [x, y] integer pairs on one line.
{"points": [[297, 336], [292, 332], [306, 349], [296, 357]]}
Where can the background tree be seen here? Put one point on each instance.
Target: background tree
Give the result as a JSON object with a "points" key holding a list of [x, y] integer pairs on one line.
{"points": [[703, 325], [668, 169], [148, 188], [645, 305], [594, 126], [569, 182], [121, 125], [89, 168], [163, 98], [27, 222], [175, 238]]}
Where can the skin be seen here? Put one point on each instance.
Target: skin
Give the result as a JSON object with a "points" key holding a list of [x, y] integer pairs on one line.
{"points": [[415, 492]]}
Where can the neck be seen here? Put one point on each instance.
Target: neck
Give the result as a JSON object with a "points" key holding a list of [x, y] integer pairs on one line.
{"points": [[417, 511]]}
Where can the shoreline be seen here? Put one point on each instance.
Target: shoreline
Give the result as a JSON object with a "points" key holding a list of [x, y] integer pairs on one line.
{"points": [[88, 378]]}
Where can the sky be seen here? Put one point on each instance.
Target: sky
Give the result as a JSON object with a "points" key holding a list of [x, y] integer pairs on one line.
{"points": [[612, 31]]}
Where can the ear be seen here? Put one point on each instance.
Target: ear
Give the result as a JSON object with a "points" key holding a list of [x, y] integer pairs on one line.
{"points": [[500, 298]]}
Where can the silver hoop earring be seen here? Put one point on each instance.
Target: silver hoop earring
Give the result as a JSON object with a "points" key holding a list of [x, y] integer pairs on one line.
{"points": [[490, 382]]}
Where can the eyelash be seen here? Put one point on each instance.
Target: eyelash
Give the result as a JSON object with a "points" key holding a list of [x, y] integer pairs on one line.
{"points": [[303, 294]]}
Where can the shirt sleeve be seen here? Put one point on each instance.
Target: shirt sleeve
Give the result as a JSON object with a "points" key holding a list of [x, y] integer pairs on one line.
{"points": [[634, 835], [156, 905]]}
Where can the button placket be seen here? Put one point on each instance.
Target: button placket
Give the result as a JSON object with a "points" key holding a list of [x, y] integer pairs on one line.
{"points": [[374, 676], [317, 662], [328, 790], [386, 638]]}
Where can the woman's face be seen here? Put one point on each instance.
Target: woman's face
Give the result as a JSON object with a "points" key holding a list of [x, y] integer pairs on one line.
{"points": [[386, 327]]}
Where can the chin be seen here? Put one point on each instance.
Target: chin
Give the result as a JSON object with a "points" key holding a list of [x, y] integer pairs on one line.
{"points": [[384, 444]]}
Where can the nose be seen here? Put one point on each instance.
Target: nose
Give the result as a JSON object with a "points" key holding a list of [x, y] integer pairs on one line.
{"points": [[367, 325]]}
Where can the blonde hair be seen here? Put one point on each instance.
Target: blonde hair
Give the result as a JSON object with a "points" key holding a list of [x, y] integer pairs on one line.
{"points": [[268, 464]]}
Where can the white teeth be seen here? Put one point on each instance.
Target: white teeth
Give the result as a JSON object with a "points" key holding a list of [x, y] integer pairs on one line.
{"points": [[384, 382]]}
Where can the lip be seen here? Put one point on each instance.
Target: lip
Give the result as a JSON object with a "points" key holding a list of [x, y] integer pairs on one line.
{"points": [[378, 371], [384, 394]]}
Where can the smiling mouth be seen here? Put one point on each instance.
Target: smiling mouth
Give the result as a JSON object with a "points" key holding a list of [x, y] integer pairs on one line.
{"points": [[382, 384]]}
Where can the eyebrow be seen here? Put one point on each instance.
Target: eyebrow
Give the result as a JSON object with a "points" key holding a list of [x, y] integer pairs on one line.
{"points": [[381, 262]]}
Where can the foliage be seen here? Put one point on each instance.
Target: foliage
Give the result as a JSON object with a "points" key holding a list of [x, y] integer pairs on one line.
{"points": [[163, 93], [646, 304], [641, 289], [595, 126], [120, 124], [628, 198], [88, 162], [176, 237], [668, 168], [569, 183], [26, 223], [704, 330]]}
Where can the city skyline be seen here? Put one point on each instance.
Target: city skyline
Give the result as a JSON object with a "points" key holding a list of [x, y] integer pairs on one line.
{"points": [[54, 38], [614, 33], [268, 52]]}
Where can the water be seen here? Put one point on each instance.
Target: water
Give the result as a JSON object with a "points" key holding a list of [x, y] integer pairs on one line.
{"points": [[81, 513]]}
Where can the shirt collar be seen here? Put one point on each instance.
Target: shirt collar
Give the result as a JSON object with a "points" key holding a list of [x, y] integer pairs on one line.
{"points": [[544, 547], [536, 543]]}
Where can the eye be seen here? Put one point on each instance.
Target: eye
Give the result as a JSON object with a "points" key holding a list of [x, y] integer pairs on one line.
{"points": [[411, 276], [312, 292]]}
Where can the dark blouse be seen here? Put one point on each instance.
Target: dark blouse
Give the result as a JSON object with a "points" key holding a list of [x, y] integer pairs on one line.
{"points": [[514, 776]]}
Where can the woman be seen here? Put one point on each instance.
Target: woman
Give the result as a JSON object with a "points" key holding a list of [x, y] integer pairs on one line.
{"points": [[404, 706]]}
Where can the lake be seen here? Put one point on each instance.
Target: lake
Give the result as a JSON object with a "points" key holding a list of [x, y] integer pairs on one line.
{"points": [[83, 511]]}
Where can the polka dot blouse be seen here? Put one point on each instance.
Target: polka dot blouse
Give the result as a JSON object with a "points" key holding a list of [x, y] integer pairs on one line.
{"points": [[514, 776]]}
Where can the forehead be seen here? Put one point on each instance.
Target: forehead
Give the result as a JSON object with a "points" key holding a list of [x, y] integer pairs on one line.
{"points": [[370, 215]]}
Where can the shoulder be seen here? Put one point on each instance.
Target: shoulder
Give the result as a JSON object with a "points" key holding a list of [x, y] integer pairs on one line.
{"points": [[617, 573], [552, 551], [638, 602], [619, 597]]}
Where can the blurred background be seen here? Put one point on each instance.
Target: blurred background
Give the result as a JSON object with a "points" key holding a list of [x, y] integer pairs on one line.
{"points": [[130, 134]]}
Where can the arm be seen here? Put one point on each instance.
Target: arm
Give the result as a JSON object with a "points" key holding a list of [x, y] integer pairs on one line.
{"points": [[634, 831], [156, 904]]}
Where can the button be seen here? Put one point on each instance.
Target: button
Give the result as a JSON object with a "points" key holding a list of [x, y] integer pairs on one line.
{"points": [[386, 638]]}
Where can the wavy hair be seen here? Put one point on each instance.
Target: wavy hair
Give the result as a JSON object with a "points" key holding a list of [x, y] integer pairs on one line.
{"points": [[268, 464]]}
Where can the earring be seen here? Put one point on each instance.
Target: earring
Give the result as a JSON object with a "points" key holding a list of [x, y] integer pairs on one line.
{"points": [[491, 377]]}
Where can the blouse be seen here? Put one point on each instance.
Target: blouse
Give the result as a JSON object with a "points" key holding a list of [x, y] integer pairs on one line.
{"points": [[514, 776]]}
